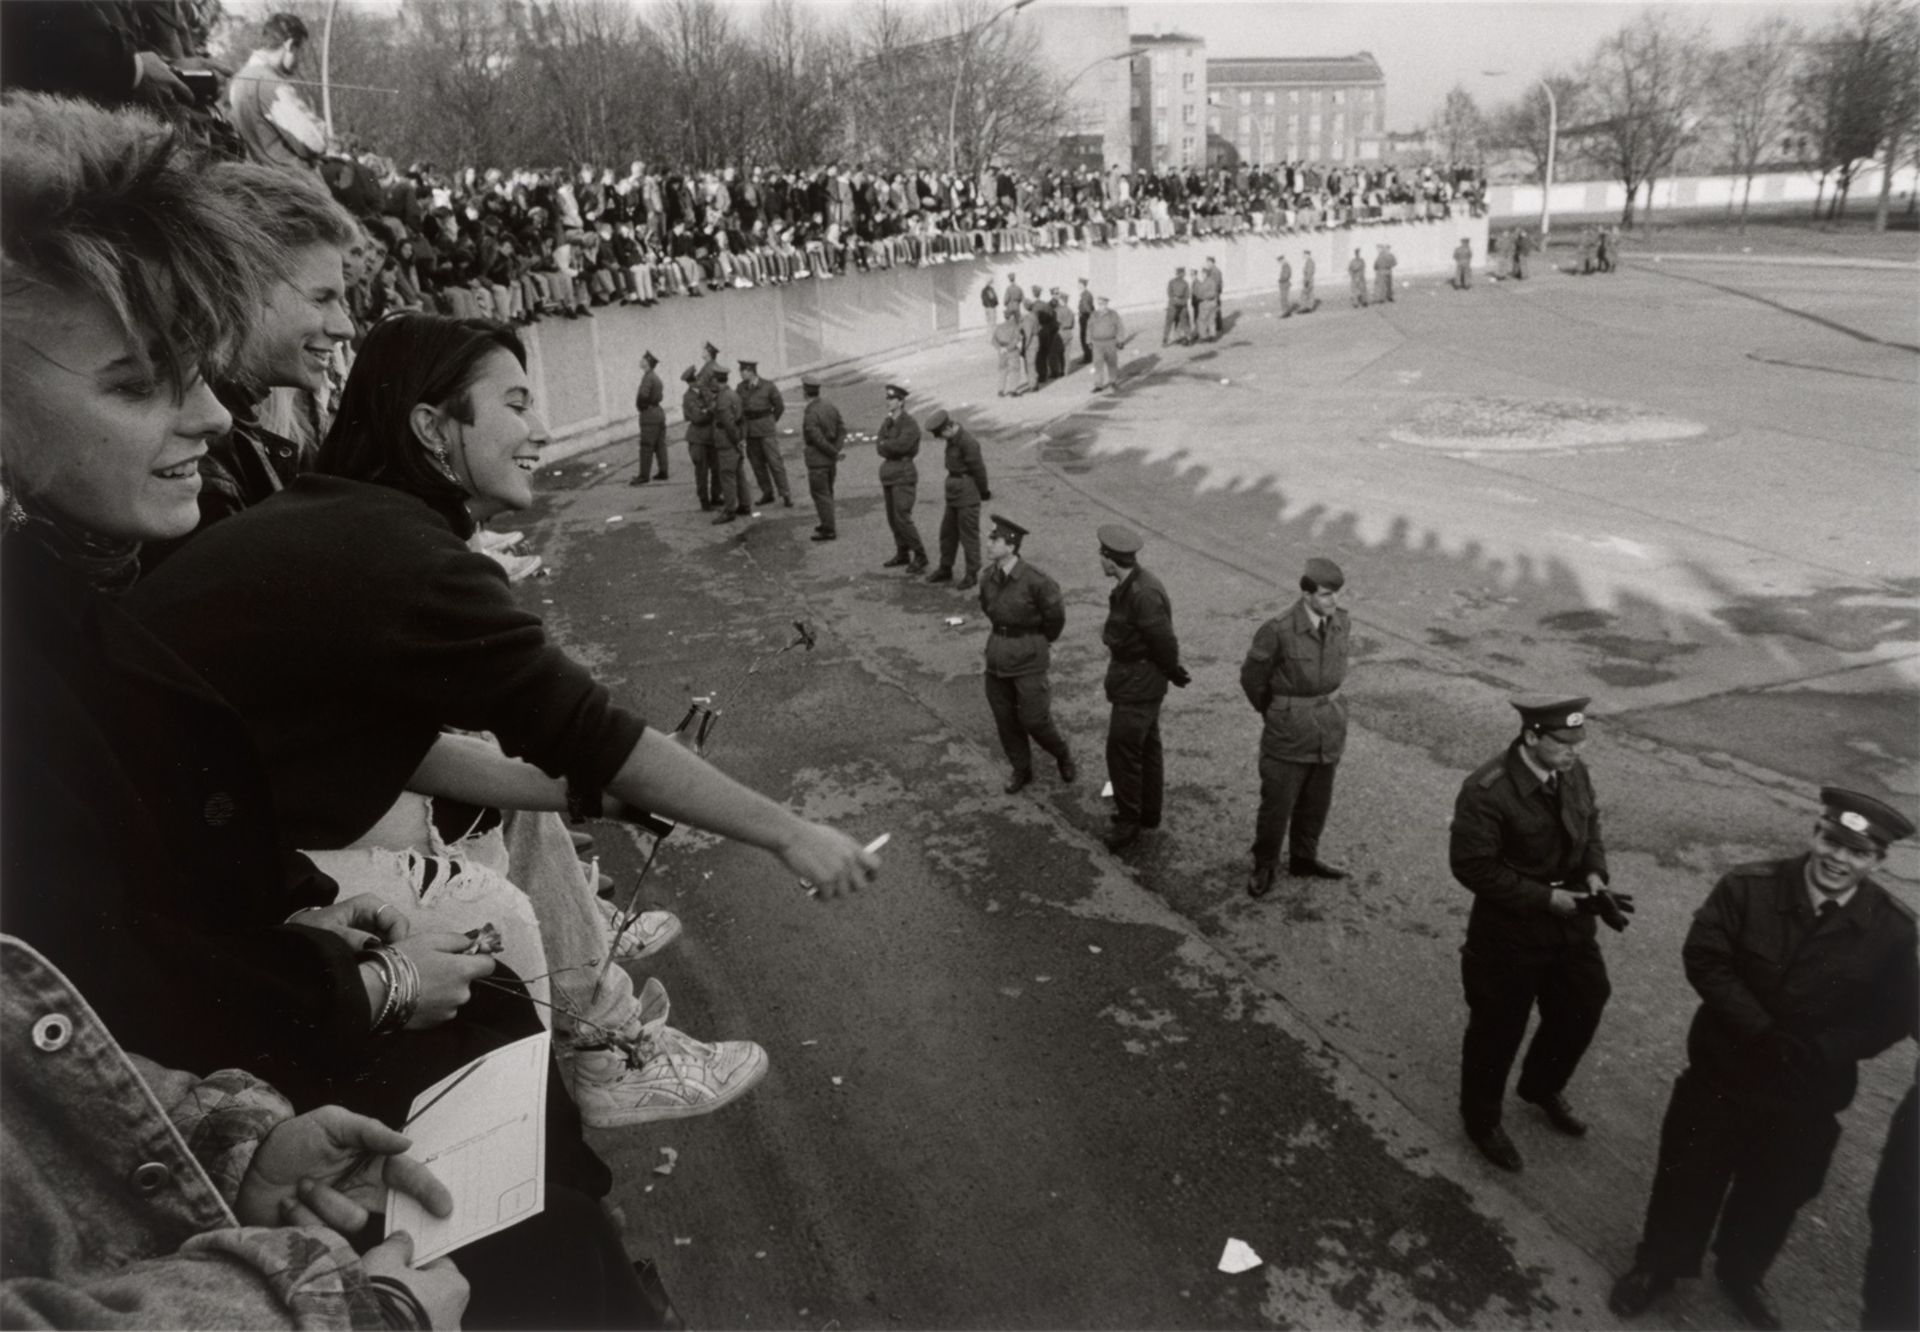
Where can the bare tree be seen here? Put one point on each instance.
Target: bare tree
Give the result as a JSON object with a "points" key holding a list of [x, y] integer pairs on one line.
{"points": [[1459, 126], [601, 76], [1751, 91], [1524, 124], [1646, 83], [1899, 70], [1854, 94], [797, 66]]}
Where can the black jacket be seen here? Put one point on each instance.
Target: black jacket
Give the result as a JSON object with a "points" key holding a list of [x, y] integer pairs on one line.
{"points": [[1758, 962], [139, 848], [1139, 636], [1512, 844]]}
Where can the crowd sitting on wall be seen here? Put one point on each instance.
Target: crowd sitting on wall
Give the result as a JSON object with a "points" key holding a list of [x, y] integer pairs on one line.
{"points": [[522, 243]]}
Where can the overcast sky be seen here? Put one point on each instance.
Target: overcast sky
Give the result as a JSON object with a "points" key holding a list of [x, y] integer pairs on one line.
{"points": [[1426, 46]]}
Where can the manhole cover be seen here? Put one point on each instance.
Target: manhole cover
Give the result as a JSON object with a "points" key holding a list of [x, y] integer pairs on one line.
{"points": [[1513, 425]]}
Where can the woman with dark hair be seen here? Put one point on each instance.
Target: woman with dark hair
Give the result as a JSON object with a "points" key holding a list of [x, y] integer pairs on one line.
{"points": [[349, 624]]}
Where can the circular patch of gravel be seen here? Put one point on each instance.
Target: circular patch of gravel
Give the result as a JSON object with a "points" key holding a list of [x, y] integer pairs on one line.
{"points": [[1517, 425]]}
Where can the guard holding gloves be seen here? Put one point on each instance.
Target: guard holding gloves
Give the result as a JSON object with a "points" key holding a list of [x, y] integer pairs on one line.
{"points": [[1146, 658], [1526, 843]]}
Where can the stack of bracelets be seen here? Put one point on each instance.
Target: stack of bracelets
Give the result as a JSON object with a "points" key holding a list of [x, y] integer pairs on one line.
{"points": [[403, 987], [399, 1307]]}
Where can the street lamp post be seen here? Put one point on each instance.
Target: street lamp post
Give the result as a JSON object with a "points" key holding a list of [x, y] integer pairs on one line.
{"points": [[1553, 139], [960, 75]]}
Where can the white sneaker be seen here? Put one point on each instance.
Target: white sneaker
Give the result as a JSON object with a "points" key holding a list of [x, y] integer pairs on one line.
{"points": [[487, 540], [645, 935], [678, 1078]]}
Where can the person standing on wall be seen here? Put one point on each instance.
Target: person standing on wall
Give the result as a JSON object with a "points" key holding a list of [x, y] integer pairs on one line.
{"points": [[966, 487], [653, 422], [696, 406], [1145, 658], [1027, 613], [898, 443], [822, 433], [761, 408], [1292, 676]]}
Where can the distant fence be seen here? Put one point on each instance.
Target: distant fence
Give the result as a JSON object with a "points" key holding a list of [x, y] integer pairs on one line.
{"points": [[585, 370], [1516, 203]]}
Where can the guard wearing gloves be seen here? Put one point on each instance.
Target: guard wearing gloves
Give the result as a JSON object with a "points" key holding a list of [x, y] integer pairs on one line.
{"points": [[898, 444], [761, 408], [823, 435], [1526, 843], [653, 423], [1804, 967], [1145, 660], [1027, 613], [1292, 676], [966, 487]]}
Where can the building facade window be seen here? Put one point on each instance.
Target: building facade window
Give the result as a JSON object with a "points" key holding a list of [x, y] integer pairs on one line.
{"points": [[1186, 81], [1270, 99], [1246, 97], [1188, 113], [1339, 96], [1313, 125], [1160, 96], [1293, 97], [1160, 130], [1213, 123]]}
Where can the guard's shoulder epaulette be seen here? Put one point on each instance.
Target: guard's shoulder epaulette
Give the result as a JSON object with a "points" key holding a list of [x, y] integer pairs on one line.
{"points": [[1489, 772], [1754, 869]]}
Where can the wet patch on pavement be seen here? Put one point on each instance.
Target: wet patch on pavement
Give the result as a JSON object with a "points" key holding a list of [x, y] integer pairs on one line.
{"points": [[1509, 425], [1848, 619]]}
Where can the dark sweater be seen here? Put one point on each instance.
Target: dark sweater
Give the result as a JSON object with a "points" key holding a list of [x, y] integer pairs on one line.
{"points": [[348, 624]]}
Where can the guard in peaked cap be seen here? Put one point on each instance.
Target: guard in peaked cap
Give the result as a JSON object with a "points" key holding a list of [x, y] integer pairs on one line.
{"points": [[1805, 967], [688, 375], [1526, 842], [1860, 821], [649, 401], [649, 358], [1005, 527], [938, 420], [1116, 539], [810, 382], [1027, 613], [897, 441], [709, 349], [1292, 676], [746, 365], [898, 389], [1143, 659], [1323, 574], [1565, 719]]}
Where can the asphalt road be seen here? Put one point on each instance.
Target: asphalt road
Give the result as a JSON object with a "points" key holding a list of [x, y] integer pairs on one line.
{"points": [[1026, 1083]]}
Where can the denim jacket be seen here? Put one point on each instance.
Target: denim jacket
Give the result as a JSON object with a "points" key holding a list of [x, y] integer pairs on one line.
{"points": [[119, 1178]]}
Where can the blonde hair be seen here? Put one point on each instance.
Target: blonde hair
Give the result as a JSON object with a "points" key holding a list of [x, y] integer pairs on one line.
{"points": [[114, 205], [291, 210]]}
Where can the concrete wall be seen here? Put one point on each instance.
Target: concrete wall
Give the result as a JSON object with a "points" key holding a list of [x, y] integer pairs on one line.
{"points": [[1519, 202], [585, 370]]}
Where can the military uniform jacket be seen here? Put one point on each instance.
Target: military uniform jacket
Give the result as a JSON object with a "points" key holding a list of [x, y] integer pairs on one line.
{"points": [[1027, 614], [762, 407], [1286, 273], [1208, 286], [821, 431], [1307, 271], [966, 470], [1463, 253], [726, 415], [1292, 676], [1105, 326], [1139, 635], [1758, 961], [649, 397], [1512, 843], [898, 443], [1177, 292], [696, 405], [1385, 262], [1007, 335]]}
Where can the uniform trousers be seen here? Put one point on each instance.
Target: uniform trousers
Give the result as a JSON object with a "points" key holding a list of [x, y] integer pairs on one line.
{"points": [[1106, 363], [1752, 1160], [1179, 324], [1296, 796], [1570, 986], [1889, 1296], [1286, 300], [820, 479], [1357, 285], [906, 536], [1022, 707], [960, 531], [653, 446], [1086, 348], [1383, 286], [706, 482], [1210, 318], [769, 468], [1013, 370], [1309, 302], [1463, 276], [1033, 364], [1135, 764], [728, 475]]}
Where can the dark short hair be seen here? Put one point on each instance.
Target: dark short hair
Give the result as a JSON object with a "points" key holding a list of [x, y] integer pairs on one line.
{"points": [[1308, 585], [408, 360], [282, 28]]}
